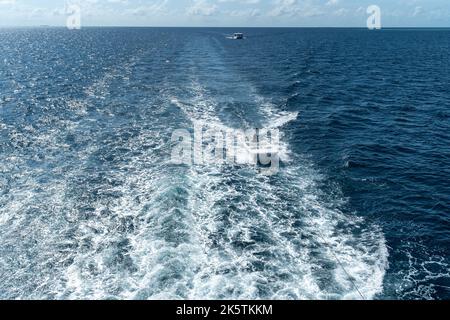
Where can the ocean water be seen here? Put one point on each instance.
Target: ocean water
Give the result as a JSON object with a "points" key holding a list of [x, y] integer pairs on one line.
{"points": [[92, 207]]}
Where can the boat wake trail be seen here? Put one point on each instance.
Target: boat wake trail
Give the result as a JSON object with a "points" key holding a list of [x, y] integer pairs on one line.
{"points": [[115, 219], [226, 232], [277, 237], [273, 237]]}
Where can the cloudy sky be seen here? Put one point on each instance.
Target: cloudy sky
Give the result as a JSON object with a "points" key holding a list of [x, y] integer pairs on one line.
{"points": [[276, 13]]}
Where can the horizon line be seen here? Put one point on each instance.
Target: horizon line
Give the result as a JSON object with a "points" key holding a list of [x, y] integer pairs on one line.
{"points": [[223, 27]]}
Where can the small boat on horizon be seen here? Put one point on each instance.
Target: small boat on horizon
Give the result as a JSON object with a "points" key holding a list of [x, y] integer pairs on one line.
{"points": [[236, 36]]}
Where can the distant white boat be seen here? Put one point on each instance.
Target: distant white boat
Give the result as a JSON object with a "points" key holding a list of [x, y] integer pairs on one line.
{"points": [[236, 36]]}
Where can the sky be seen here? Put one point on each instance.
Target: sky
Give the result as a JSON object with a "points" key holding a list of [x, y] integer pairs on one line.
{"points": [[227, 13]]}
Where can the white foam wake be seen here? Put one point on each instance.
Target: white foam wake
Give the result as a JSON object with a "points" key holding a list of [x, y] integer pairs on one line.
{"points": [[276, 240]]}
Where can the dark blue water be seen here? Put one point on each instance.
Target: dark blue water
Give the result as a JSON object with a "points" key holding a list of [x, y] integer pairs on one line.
{"points": [[92, 207]]}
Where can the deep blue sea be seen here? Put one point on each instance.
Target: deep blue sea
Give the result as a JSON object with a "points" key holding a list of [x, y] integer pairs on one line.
{"points": [[92, 208]]}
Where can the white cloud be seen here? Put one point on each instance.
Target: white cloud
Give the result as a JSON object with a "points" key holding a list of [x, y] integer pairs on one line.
{"points": [[295, 8], [202, 8], [225, 12], [284, 7], [340, 12], [159, 7], [332, 2], [6, 2], [418, 11]]}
